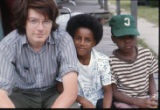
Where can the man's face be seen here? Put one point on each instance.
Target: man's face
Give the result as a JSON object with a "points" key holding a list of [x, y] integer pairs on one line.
{"points": [[38, 27], [125, 43]]}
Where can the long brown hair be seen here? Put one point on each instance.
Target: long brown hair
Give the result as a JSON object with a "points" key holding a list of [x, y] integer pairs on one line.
{"points": [[46, 7]]}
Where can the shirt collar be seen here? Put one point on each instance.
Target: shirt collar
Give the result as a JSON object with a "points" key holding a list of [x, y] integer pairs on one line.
{"points": [[24, 40], [51, 39]]}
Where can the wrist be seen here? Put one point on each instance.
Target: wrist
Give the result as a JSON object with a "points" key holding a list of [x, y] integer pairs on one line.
{"points": [[80, 100], [153, 95], [154, 98], [83, 101], [135, 101]]}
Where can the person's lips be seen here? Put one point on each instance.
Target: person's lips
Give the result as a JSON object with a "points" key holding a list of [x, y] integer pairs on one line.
{"points": [[39, 35], [81, 49], [128, 46]]}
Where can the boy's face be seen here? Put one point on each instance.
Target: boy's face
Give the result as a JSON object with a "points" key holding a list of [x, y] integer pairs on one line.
{"points": [[84, 41], [125, 43]]}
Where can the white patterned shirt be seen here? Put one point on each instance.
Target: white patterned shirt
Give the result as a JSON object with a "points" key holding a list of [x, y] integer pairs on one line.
{"points": [[93, 77]]}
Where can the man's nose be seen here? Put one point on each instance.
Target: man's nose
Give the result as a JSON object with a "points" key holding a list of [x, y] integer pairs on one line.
{"points": [[40, 26]]}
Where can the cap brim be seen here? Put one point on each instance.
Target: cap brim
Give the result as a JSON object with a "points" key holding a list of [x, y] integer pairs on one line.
{"points": [[124, 32]]}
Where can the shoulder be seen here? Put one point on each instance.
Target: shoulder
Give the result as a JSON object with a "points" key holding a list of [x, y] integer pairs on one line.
{"points": [[101, 59], [99, 55], [114, 60], [61, 35], [145, 54], [10, 40], [142, 50], [113, 57]]}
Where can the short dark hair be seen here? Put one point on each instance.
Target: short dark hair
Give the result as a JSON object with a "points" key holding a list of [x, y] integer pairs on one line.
{"points": [[87, 21], [47, 7]]}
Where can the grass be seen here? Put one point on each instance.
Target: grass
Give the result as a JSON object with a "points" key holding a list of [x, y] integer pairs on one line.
{"points": [[147, 12], [150, 13]]}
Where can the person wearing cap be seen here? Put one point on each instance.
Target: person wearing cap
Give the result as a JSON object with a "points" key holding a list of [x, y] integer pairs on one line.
{"points": [[132, 66]]}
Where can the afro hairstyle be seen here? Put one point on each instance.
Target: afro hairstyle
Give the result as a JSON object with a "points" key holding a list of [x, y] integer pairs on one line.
{"points": [[86, 21]]}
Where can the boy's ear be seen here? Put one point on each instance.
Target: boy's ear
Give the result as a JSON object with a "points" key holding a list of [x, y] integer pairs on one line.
{"points": [[113, 39], [94, 44]]}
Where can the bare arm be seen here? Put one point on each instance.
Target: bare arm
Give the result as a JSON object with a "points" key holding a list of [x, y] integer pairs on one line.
{"points": [[5, 102], [153, 90], [69, 94], [107, 100], [141, 103], [152, 85], [120, 96]]}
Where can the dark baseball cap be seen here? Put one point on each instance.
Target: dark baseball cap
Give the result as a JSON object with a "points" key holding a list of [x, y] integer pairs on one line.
{"points": [[122, 25]]}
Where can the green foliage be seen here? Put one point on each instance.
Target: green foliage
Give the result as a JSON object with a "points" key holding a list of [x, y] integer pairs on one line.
{"points": [[154, 3], [147, 12]]}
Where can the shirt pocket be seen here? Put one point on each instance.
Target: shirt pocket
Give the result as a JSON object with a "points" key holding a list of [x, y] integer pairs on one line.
{"points": [[24, 74]]}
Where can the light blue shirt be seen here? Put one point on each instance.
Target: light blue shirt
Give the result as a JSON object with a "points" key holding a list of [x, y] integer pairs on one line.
{"points": [[22, 67]]}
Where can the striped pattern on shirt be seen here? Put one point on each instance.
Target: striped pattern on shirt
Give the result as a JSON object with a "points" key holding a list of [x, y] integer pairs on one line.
{"points": [[22, 67], [132, 79]]}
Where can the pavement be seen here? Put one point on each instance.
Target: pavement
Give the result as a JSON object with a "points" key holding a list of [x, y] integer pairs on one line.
{"points": [[148, 31]]}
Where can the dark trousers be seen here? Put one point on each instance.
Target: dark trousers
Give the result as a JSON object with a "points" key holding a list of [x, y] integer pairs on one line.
{"points": [[33, 99], [100, 104]]}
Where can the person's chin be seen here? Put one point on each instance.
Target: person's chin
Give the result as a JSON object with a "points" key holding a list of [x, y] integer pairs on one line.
{"points": [[81, 54], [40, 40]]}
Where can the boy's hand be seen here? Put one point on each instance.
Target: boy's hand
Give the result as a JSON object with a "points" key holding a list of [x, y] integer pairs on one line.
{"points": [[154, 99], [87, 104], [146, 103]]}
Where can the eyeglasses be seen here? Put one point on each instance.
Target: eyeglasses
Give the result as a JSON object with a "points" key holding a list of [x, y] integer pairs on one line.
{"points": [[35, 22]]}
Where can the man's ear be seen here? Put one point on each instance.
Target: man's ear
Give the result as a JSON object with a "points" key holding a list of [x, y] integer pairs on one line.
{"points": [[113, 39]]}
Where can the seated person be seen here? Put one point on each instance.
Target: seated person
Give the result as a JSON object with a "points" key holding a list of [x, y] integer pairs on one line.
{"points": [[132, 66], [94, 77], [32, 55]]}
